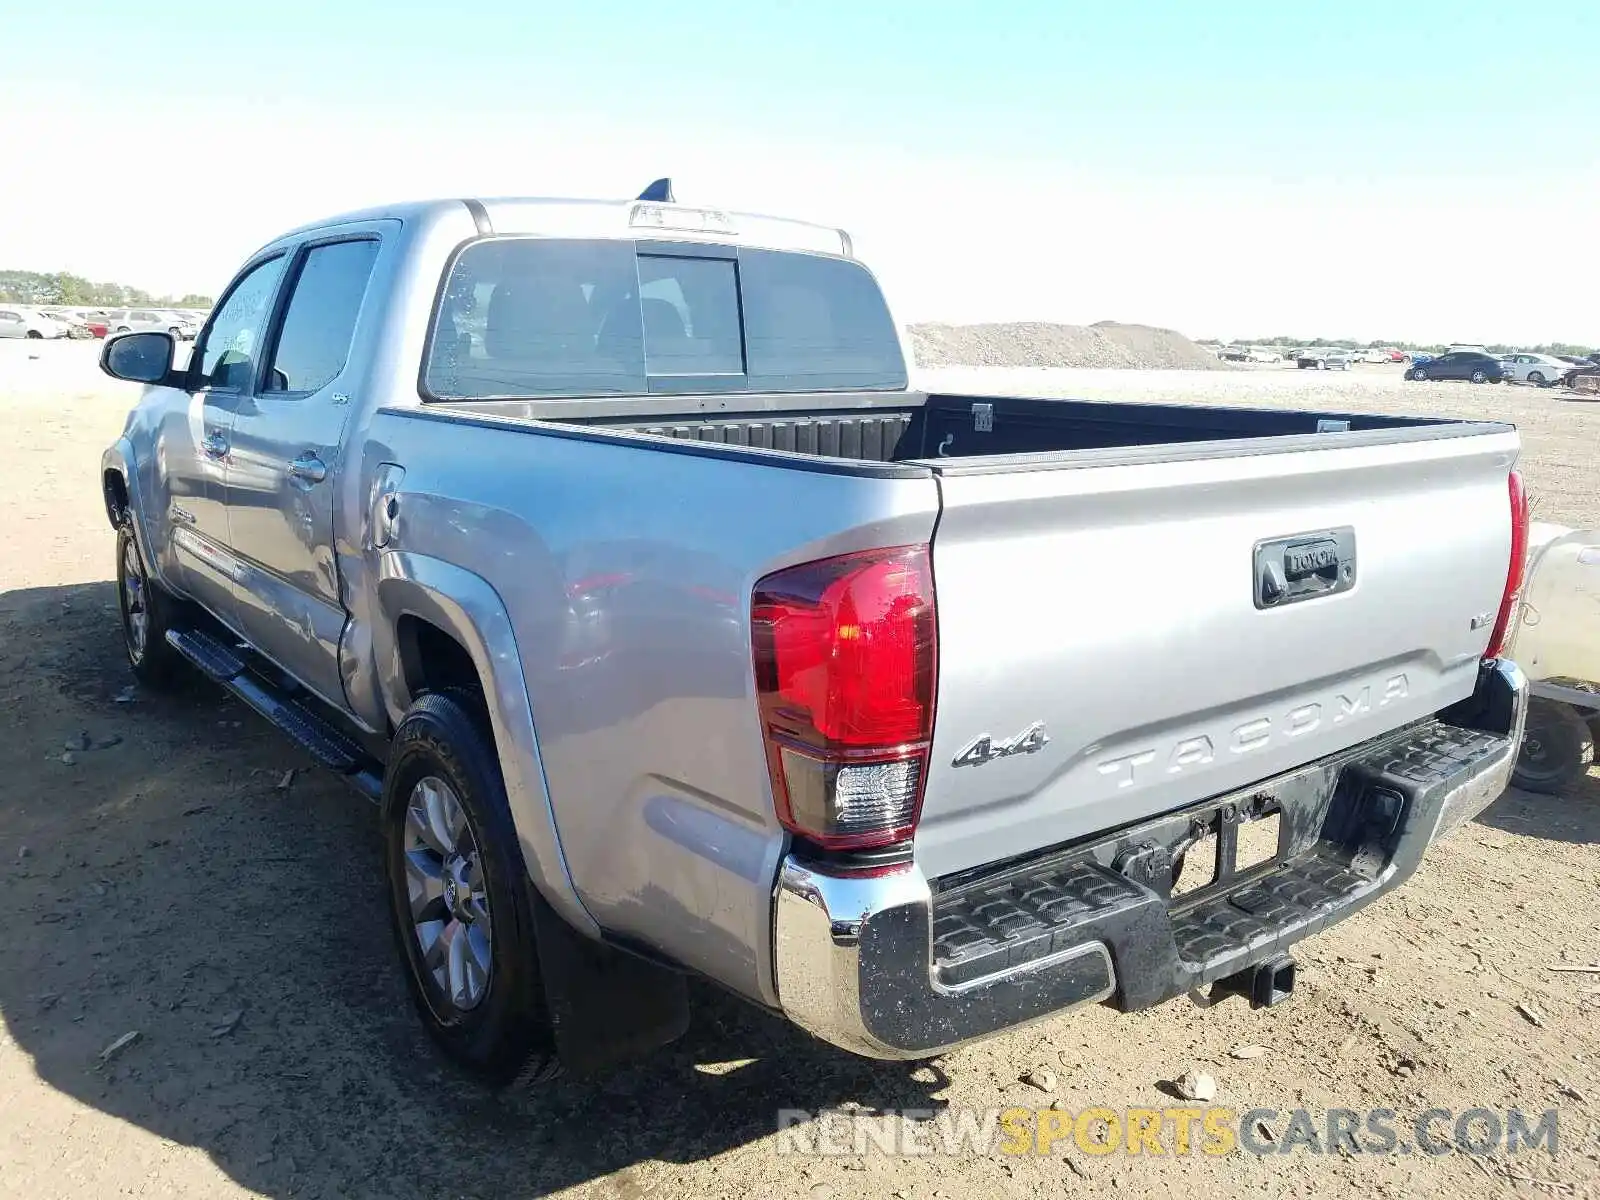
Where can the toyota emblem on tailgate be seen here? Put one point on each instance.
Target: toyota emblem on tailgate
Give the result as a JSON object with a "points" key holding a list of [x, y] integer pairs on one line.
{"points": [[1305, 566]]}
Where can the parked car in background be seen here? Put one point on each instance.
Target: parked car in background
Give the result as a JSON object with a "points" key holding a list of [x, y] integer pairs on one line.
{"points": [[1557, 645], [1398, 356], [95, 319], [1541, 370], [1570, 377], [1322, 358], [150, 320], [1470, 365], [19, 322], [1374, 354], [76, 326]]}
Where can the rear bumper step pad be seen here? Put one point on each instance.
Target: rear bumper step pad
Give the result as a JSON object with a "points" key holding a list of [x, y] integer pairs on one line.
{"points": [[896, 967]]}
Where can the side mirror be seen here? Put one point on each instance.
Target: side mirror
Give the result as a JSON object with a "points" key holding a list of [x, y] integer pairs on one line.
{"points": [[138, 357]]}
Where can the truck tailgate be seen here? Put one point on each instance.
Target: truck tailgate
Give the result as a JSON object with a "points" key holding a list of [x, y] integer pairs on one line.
{"points": [[1120, 633]]}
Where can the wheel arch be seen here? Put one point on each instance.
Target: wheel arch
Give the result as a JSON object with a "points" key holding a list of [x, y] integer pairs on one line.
{"points": [[119, 492], [436, 621]]}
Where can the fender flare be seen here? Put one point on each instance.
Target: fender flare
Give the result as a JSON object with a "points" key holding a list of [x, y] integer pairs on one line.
{"points": [[119, 460], [468, 608]]}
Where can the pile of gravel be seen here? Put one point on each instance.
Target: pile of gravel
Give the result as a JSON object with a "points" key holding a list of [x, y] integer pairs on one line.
{"points": [[1041, 344]]}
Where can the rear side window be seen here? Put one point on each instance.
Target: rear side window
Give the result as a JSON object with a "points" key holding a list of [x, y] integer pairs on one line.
{"points": [[320, 321], [532, 317]]}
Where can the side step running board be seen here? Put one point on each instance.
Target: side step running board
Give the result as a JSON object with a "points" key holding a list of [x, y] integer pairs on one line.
{"points": [[333, 749]]}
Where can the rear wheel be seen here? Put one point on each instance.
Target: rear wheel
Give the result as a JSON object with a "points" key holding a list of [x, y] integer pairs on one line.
{"points": [[459, 903], [146, 610], [1557, 747]]}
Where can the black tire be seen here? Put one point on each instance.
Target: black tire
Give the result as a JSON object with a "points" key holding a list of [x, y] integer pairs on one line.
{"points": [[153, 661], [1479, 377], [1536, 378], [505, 1036], [1557, 748], [35, 335], [1419, 374]]}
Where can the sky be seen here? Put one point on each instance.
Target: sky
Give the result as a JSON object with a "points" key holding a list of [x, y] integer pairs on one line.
{"points": [[1423, 171]]}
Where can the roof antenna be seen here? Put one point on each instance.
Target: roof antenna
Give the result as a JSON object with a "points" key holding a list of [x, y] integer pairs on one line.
{"points": [[660, 191]]}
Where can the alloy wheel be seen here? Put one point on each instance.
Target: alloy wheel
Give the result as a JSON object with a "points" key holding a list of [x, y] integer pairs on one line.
{"points": [[449, 898], [135, 602]]}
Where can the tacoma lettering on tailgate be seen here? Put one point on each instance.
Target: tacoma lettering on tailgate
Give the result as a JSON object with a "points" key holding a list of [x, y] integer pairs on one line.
{"points": [[1256, 733]]}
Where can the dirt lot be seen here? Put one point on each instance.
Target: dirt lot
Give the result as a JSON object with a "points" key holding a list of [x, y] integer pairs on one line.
{"points": [[162, 884]]}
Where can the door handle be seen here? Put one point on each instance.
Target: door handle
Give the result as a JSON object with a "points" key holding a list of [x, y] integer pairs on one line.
{"points": [[215, 445], [308, 468]]}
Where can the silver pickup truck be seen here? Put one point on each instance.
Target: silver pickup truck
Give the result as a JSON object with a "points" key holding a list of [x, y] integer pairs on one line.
{"points": [[606, 547]]}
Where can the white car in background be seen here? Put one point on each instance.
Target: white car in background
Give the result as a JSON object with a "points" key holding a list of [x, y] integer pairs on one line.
{"points": [[1541, 370], [150, 320], [19, 322]]}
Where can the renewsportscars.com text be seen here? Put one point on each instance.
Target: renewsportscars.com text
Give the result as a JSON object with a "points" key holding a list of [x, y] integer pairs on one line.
{"points": [[1206, 1130]]}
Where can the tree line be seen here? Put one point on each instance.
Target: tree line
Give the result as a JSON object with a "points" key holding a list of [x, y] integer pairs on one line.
{"points": [[61, 287]]}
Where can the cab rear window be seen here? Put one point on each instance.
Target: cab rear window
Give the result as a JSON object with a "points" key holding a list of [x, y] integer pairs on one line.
{"points": [[547, 317]]}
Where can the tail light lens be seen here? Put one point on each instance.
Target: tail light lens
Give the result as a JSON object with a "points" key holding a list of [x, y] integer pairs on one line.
{"points": [[845, 674], [1511, 599]]}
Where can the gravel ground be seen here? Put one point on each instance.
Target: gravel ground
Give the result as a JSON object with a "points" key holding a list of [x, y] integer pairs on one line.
{"points": [[164, 884]]}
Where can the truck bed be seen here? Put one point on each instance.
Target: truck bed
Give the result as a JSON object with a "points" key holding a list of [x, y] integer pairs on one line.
{"points": [[911, 427], [1176, 600]]}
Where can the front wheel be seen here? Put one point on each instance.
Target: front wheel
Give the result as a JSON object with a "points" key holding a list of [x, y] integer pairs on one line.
{"points": [[35, 335], [1479, 377], [458, 896], [146, 610], [1557, 747], [1418, 374], [1535, 378]]}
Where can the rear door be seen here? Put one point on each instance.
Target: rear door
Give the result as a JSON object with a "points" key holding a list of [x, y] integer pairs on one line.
{"points": [[1111, 645], [282, 472]]}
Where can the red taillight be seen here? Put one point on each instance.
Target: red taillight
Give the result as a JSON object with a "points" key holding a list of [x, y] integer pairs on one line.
{"points": [[1511, 598], [844, 657]]}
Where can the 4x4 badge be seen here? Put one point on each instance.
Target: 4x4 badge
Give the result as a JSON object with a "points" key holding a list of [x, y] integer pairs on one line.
{"points": [[986, 749]]}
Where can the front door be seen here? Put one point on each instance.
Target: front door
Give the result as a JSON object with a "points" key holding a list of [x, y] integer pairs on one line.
{"points": [[283, 469], [193, 442]]}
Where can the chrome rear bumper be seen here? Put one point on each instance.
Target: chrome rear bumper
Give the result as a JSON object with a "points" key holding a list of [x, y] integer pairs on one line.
{"points": [[891, 966]]}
